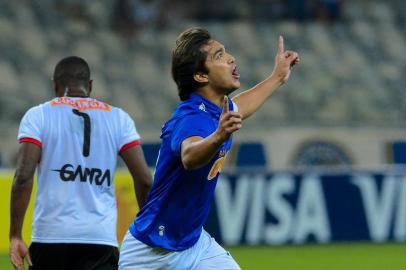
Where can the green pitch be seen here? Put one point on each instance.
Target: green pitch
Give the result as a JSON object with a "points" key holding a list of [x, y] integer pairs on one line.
{"points": [[312, 257], [326, 257]]}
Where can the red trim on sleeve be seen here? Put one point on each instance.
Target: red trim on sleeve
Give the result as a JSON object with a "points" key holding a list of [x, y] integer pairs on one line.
{"points": [[129, 145], [30, 140]]}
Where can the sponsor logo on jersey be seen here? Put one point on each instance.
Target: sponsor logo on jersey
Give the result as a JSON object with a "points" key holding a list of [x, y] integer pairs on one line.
{"points": [[81, 104], [218, 165], [92, 175]]}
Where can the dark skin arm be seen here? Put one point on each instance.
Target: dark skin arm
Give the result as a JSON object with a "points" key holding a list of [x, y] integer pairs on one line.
{"points": [[141, 174], [28, 157]]}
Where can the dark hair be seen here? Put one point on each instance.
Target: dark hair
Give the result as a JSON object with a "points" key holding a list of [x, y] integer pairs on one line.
{"points": [[72, 71], [188, 58]]}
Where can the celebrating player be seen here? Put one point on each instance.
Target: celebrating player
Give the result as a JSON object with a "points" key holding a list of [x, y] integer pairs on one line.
{"points": [[168, 231], [74, 140]]}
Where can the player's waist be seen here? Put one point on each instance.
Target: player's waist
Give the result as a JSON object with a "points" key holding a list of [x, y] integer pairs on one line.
{"points": [[77, 240], [155, 238]]}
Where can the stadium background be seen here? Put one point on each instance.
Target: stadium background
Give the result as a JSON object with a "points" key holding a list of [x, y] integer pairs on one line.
{"points": [[342, 111]]}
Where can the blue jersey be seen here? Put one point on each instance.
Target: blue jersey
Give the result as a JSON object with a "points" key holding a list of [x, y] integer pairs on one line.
{"points": [[179, 200]]}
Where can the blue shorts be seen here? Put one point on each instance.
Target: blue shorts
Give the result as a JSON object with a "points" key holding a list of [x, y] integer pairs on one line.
{"points": [[206, 254]]}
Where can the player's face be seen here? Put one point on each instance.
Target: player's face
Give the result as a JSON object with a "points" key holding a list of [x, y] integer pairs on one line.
{"points": [[223, 74]]}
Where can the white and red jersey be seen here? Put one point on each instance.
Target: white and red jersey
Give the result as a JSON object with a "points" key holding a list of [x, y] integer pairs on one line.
{"points": [[80, 140]]}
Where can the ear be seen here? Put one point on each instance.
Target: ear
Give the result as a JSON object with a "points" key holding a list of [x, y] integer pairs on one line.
{"points": [[90, 87], [201, 77]]}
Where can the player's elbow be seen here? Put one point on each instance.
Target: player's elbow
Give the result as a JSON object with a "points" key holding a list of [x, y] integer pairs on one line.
{"points": [[144, 177], [20, 184], [23, 178], [147, 182], [187, 158], [187, 163], [191, 163]]}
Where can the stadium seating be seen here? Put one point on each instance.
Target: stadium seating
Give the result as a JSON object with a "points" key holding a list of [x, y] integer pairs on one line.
{"points": [[350, 74]]}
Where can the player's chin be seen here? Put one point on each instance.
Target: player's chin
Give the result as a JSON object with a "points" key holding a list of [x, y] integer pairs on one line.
{"points": [[236, 84]]}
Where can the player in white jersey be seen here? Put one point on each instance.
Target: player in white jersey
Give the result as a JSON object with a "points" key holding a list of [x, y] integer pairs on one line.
{"points": [[74, 141]]}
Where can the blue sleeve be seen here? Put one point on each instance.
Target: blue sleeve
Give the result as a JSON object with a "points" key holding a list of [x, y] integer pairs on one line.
{"points": [[192, 125]]}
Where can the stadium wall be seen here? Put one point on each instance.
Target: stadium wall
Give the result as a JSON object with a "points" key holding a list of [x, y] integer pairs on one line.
{"points": [[365, 147], [284, 207], [309, 207], [289, 148]]}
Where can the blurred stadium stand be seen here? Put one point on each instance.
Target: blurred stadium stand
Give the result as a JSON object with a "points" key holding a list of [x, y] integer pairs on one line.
{"points": [[352, 71]]}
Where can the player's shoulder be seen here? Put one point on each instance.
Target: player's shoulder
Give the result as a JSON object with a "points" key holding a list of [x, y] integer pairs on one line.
{"points": [[34, 114], [191, 107], [185, 112], [120, 112], [37, 109], [120, 115]]}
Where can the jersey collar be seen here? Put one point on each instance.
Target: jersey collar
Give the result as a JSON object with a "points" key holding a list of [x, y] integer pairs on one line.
{"points": [[208, 106]]}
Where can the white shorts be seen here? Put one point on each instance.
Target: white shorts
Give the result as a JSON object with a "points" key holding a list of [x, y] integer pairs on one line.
{"points": [[206, 254]]}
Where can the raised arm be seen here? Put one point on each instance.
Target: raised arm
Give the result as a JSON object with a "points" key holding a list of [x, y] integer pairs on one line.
{"points": [[197, 151], [28, 157], [141, 174], [251, 100]]}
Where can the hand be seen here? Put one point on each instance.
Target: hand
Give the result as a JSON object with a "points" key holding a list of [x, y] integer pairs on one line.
{"points": [[284, 62], [229, 122], [19, 252]]}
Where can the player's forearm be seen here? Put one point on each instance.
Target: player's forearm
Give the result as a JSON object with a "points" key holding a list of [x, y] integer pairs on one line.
{"points": [[20, 198], [251, 100], [199, 152], [28, 158], [141, 192], [142, 185], [141, 174]]}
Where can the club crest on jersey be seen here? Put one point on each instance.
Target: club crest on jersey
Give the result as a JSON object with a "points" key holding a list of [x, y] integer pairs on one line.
{"points": [[69, 173], [218, 165]]}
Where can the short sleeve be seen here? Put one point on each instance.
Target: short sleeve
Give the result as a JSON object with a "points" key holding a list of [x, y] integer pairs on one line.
{"points": [[128, 133], [193, 125], [31, 126], [235, 107]]}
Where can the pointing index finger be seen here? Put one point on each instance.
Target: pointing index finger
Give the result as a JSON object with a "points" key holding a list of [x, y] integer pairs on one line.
{"points": [[281, 47]]}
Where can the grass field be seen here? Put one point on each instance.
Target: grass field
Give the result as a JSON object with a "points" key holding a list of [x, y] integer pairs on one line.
{"points": [[312, 257]]}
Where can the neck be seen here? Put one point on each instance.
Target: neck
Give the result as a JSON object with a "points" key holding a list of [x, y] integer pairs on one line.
{"points": [[72, 92], [73, 95], [212, 95], [77, 95]]}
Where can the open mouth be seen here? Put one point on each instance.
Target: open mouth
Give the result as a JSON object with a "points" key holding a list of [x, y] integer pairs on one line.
{"points": [[236, 74]]}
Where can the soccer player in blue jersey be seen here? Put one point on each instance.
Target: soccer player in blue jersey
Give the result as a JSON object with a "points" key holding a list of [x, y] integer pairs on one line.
{"points": [[168, 231]]}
